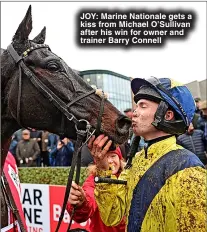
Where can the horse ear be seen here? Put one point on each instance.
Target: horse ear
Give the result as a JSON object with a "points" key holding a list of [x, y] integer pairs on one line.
{"points": [[40, 38], [24, 28]]}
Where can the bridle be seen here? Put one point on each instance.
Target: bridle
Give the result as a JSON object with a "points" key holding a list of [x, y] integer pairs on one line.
{"points": [[53, 98], [83, 135]]}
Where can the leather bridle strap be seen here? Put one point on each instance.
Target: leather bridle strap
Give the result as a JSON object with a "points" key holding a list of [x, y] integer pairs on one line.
{"points": [[78, 145], [43, 88], [77, 180], [98, 126], [76, 161], [78, 167], [11, 203], [19, 98]]}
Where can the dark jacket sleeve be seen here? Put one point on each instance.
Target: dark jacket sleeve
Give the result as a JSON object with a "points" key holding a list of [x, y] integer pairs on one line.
{"points": [[36, 150], [179, 140], [204, 137], [53, 152], [87, 209], [18, 152], [52, 142], [70, 147]]}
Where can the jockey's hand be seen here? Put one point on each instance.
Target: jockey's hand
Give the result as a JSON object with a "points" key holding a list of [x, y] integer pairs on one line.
{"points": [[26, 160], [99, 151], [77, 195]]}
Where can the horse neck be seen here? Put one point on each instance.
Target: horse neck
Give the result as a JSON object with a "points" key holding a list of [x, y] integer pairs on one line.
{"points": [[9, 124]]}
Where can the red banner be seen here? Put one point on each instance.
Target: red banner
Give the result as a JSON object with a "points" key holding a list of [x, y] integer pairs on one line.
{"points": [[11, 174], [56, 201], [42, 206]]}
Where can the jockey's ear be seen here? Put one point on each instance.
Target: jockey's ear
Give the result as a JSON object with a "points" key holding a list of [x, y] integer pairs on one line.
{"points": [[169, 116], [40, 38], [24, 28]]}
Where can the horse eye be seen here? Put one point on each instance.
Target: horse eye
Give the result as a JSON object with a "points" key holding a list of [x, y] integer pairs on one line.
{"points": [[52, 66]]}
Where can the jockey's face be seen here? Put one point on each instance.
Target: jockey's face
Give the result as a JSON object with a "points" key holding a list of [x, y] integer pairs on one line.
{"points": [[143, 116]]}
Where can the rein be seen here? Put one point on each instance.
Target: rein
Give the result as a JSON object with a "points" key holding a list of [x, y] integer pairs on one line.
{"points": [[83, 135], [10, 202]]}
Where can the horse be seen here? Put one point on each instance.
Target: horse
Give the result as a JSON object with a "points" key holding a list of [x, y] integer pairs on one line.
{"points": [[39, 90]]}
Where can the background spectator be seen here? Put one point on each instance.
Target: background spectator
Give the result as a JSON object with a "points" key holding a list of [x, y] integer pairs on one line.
{"points": [[18, 135], [86, 157], [27, 150], [198, 103], [195, 120], [13, 146], [52, 144], [194, 141], [202, 120], [37, 136], [63, 153], [44, 152]]}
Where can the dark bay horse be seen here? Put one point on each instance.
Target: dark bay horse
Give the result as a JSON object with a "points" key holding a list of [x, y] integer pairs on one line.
{"points": [[60, 97]]}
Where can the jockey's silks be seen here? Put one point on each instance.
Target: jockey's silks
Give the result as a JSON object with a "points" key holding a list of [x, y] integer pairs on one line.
{"points": [[163, 194]]}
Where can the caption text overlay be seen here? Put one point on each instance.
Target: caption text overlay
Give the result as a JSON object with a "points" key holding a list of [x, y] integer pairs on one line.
{"points": [[132, 28]]}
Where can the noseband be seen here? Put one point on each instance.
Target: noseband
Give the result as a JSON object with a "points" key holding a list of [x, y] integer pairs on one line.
{"points": [[82, 135]]}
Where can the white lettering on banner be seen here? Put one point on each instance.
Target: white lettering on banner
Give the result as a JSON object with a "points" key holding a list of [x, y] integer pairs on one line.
{"points": [[15, 178], [36, 208], [57, 212], [66, 219], [34, 229]]}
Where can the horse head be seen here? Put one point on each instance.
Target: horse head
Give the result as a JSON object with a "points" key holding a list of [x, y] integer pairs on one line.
{"points": [[25, 104]]}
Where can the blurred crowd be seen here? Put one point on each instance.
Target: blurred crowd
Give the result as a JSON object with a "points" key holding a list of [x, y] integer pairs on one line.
{"points": [[34, 148]]}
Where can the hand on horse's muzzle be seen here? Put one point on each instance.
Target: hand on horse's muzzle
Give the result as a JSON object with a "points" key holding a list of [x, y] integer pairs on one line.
{"points": [[99, 147]]}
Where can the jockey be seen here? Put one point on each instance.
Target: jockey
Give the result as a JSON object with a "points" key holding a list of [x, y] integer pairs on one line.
{"points": [[11, 192], [166, 184]]}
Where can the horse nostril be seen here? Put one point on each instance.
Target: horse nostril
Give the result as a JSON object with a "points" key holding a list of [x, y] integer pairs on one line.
{"points": [[123, 124]]}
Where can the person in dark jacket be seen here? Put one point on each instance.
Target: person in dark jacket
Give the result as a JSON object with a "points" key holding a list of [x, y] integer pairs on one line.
{"points": [[27, 150], [13, 146], [18, 135], [202, 120], [194, 141], [37, 136], [63, 153], [86, 157], [52, 144], [198, 103], [44, 152]]}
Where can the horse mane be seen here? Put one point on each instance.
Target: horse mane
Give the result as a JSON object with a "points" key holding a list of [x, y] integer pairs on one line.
{"points": [[5, 73]]}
